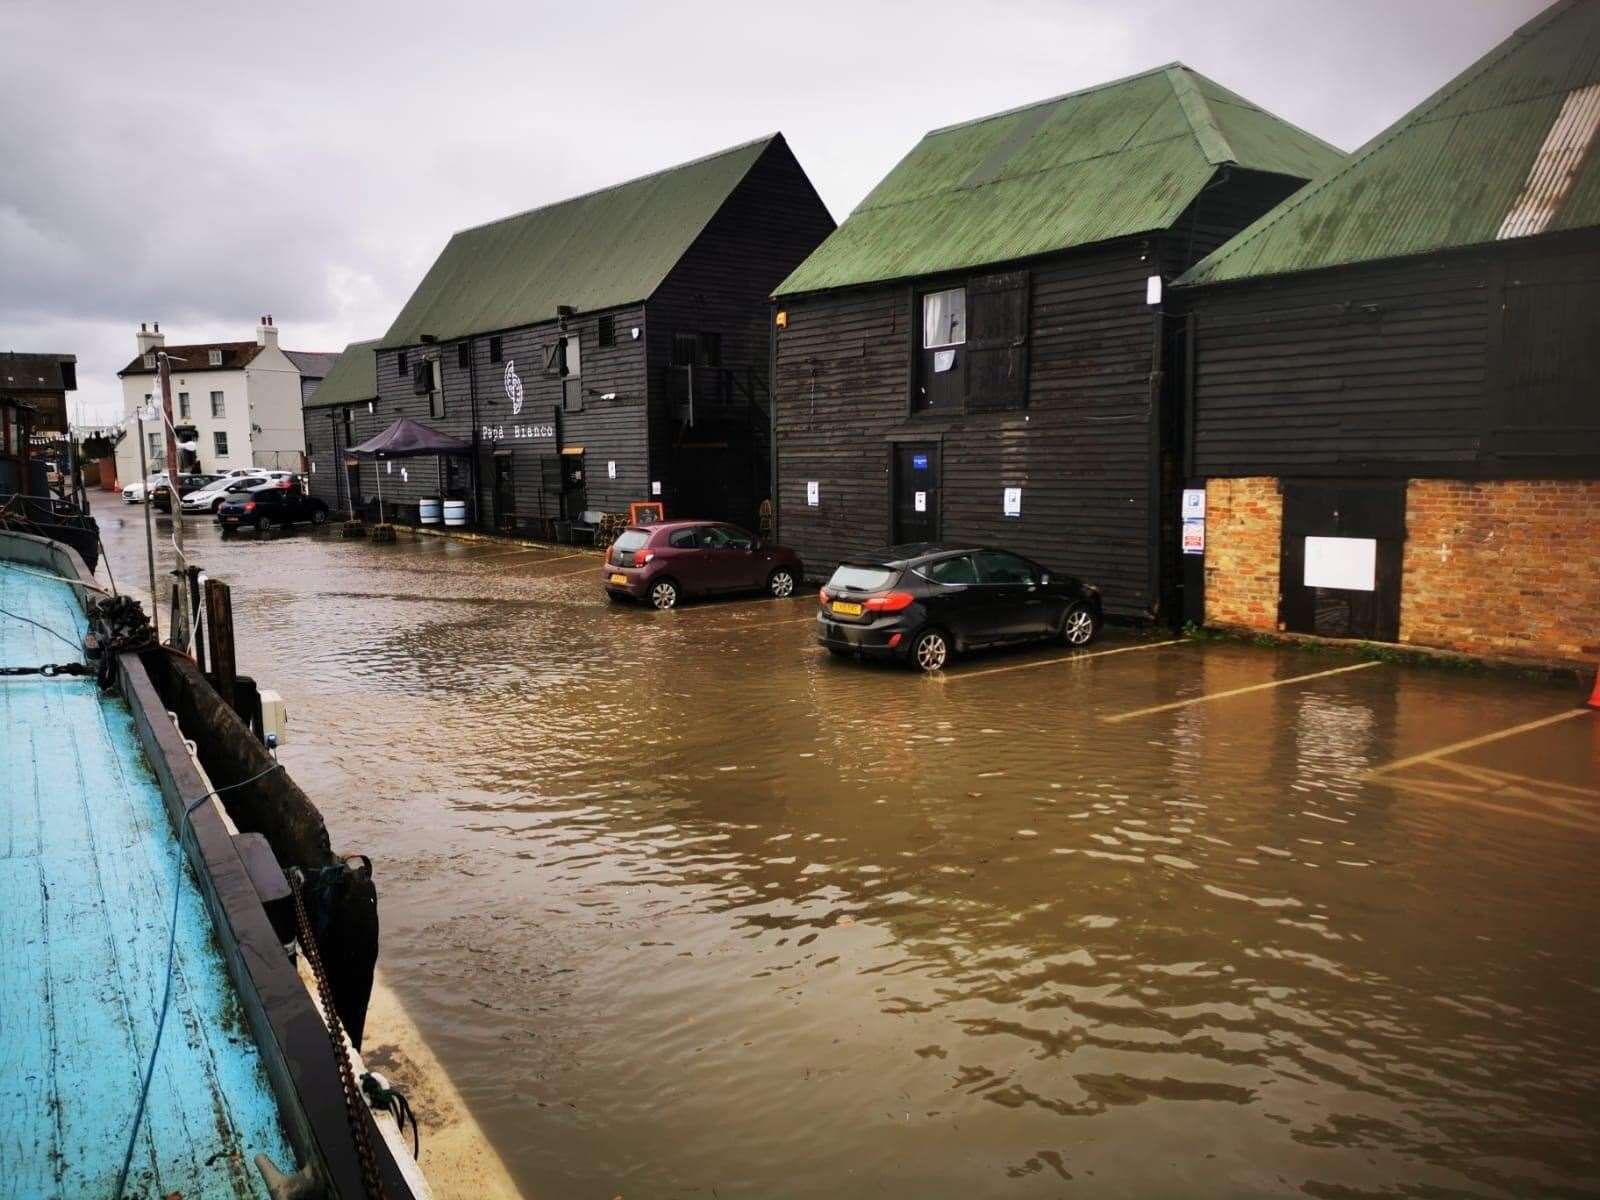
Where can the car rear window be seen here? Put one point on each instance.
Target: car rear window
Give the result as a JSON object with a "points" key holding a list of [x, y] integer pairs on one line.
{"points": [[631, 539], [866, 579]]}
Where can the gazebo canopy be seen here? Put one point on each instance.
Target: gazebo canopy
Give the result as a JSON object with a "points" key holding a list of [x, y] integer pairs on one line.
{"points": [[409, 439]]}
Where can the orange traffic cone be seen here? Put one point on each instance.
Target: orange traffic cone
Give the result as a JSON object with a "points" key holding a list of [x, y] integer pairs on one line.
{"points": [[1594, 696]]}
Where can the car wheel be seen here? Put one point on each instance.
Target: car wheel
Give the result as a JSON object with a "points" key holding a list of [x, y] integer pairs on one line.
{"points": [[216, 504], [226, 532], [1079, 626], [840, 652], [319, 516], [781, 583], [664, 594], [265, 525], [931, 650]]}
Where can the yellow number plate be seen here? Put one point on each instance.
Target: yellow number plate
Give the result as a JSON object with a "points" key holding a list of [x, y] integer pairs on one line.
{"points": [[845, 609], [619, 579]]}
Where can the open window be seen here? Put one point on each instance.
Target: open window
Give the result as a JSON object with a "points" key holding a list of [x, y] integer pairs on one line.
{"points": [[972, 346], [563, 358], [941, 355]]}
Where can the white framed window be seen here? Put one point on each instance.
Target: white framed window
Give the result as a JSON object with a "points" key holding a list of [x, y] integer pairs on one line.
{"points": [[219, 440], [183, 405], [155, 445], [150, 361], [219, 407], [944, 318], [214, 357]]}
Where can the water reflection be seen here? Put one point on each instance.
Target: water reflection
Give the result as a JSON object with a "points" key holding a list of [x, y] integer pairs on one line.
{"points": [[688, 906]]}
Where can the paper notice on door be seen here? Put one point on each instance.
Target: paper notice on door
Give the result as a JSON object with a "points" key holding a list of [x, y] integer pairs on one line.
{"points": [[943, 360], [1350, 564], [920, 501]]}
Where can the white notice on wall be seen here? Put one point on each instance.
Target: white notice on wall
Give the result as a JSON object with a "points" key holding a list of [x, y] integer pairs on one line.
{"points": [[655, 487], [1194, 504], [611, 469], [1349, 564], [813, 493], [921, 501], [943, 360], [1194, 537], [1013, 502]]}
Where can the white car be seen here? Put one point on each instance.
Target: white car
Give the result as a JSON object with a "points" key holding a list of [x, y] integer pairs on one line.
{"points": [[210, 497], [138, 492]]}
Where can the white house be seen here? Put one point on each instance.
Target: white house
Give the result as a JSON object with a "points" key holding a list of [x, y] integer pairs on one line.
{"points": [[234, 404]]}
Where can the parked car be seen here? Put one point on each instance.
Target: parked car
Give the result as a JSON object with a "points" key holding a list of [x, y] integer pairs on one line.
{"points": [[209, 498], [161, 494], [268, 506], [138, 491], [663, 564], [924, 603]]}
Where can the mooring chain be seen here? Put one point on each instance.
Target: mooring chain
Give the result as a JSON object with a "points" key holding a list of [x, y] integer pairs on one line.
{"points": [[354, 1103]]}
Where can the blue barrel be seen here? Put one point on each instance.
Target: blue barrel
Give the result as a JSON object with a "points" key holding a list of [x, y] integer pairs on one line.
{"points": [[428, 510]]}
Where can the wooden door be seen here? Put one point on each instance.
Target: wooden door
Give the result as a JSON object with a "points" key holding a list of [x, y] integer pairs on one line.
{"points": [[914, 484], [505, 492]]}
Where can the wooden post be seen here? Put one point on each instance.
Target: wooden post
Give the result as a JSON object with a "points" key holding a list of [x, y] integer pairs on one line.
{"points": [[219, 619]]}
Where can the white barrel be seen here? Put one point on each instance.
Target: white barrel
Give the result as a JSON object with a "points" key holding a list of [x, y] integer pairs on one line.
{"points": [[428, 510], [455, 512]]}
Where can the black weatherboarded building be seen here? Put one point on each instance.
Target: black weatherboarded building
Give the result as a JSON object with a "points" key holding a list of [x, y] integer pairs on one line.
{"points": [[602, 350], [973, 355]]}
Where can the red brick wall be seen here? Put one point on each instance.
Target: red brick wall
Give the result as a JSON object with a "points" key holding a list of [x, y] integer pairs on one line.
{"points": [[1505, 568], [1244, 527]]}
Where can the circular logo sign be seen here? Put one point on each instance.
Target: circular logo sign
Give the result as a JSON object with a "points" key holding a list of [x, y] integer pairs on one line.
{"points": [[513, 387]]}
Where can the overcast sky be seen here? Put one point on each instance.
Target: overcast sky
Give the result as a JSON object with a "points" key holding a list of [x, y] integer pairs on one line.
{"points": [[200, 164]]}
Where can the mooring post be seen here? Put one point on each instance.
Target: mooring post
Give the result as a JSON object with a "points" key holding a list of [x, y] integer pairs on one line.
{"points": [[219, 619]]}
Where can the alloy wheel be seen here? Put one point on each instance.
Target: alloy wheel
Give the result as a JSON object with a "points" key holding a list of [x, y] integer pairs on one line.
{"points": [[1078, 628], [931, 651], [664, 595], [781, 584]]}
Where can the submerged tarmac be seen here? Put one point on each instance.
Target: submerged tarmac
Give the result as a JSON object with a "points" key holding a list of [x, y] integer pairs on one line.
{"points": [[688, 908]]}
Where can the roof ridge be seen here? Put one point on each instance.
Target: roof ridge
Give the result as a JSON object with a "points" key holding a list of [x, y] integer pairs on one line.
{"points": [[1073, 95], [600, 191], [1203, 122], [1512, 42], [1235, 100]]}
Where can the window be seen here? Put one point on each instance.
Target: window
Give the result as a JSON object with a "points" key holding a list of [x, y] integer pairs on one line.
{"points": [[155, 446], [630, 539], [464, 356], [219, 407], [436, 401], [183, 405], [944, 318], [214, 357], [494, 350], [220, 440], [685, 347], [861, 579], [607, 331], [734, 539], [150, 361], [711, 349], [400, 363], [951, 570], [996, 566], [683, 539]]}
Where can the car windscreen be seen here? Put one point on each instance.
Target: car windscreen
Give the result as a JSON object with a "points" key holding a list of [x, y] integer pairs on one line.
{"points": [[631, 539], [863, 579]]}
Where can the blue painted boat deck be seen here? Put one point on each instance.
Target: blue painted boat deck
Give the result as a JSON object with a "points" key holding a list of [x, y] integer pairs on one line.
{"points": [[88, 862]]}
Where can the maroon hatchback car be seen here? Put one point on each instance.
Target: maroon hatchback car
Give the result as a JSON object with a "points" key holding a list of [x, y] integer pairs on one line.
{"points": [[663, 564]]}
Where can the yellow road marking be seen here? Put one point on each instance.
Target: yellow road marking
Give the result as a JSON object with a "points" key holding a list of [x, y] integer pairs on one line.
{"points": [[1056, 662], [561, 574], [1455, 747], [749, 625], [505, 553], [560, 557], [1255, 687]]}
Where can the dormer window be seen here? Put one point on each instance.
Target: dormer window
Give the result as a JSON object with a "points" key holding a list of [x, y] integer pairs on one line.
{"points": [[150, 361], [214, 357]]}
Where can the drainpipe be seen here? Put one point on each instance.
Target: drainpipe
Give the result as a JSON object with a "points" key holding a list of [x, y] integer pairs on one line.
{"points": [[1157, 411], [472, 393], [772, 416]]}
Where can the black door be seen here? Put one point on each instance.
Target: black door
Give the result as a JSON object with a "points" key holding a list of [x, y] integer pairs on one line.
{"points": [[1341, 560], [505, 492], [915, 492], [1014, 606]]}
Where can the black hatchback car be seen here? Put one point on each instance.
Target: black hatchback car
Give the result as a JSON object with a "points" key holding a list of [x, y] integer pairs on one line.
{"points": [[923, 603], [269, 506]]}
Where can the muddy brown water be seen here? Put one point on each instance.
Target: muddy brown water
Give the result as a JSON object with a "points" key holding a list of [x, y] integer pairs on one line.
{"points": [[690, 909]]}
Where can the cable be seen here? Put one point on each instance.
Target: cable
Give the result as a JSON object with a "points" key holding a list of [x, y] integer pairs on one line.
{"points": [[39, 625], [166, 992]]}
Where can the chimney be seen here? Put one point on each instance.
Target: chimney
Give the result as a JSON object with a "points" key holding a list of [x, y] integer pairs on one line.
{"points": [[150, 339], [267, 333]]}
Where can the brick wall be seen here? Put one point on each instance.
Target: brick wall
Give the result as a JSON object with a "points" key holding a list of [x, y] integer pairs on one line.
{"points": [[1504, 568], [1244, 525]]}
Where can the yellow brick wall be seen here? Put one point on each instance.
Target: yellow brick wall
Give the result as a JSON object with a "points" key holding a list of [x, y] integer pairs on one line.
{"points": [[1244, 527]]}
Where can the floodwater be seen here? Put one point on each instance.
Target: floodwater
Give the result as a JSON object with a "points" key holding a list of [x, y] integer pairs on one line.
{"points": [[689, 908]]}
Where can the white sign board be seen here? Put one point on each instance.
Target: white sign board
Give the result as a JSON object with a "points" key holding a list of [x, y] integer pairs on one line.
{"points": [[655, 487], [1194, 504], [813, 493], [1194, 537], [921, 501], [943, 360], [1012, 503], [611, 469], [1350, 564]]}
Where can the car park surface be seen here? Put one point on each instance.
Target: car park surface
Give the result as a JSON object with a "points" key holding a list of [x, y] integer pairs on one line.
{"points": [[723, 911]]}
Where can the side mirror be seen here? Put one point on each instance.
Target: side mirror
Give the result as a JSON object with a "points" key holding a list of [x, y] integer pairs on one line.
{"points": [[1044, 580]]}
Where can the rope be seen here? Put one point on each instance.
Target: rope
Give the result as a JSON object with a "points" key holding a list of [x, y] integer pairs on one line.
{"points": [[40, 625], [382, 1094], [347, 1076]]}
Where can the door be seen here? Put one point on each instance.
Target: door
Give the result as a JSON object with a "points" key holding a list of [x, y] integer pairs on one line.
{"points": [[915, 488], [726, 554], [959, 603], [941, 375], [1341, 559], [1013, 605], [505, 492]]}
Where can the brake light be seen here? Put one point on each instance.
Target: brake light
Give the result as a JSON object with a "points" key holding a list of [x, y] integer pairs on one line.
{"points": [[823, 596], [643, 557], [891, 602], [249, 506]]}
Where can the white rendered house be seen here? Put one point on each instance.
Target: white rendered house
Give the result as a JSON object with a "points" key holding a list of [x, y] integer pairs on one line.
{"points": [[234, 404]]}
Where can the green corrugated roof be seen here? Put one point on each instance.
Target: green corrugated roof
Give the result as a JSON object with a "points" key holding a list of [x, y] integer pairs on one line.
{"points": [[1482, 158], [353, 378], [1120, 159], [610, 247]]}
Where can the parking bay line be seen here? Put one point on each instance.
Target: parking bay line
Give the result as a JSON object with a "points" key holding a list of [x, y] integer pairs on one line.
{"points": [[1254, 687], [1056, 662], [1470, 743]]}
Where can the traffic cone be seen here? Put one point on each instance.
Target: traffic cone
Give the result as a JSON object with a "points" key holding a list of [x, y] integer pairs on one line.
{"points": [[1594, 696]]}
